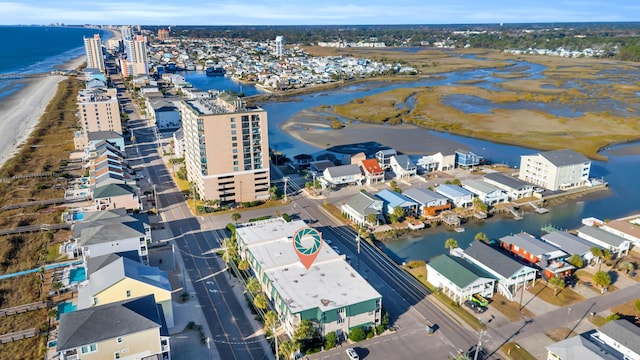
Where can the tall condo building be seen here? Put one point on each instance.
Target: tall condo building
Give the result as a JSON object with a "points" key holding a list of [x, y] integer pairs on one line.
{"points": [[279, 46], [98, 111], [127, 32], [137, 62], [93, 49], [226, 149], [163, 34]]}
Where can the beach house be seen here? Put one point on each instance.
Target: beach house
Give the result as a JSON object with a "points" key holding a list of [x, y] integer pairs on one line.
{"points": [[459, 279], [392, 200], [515, 188], [628, 229], [342, 175], [555, 170], [384, 157], [546, 257], [617, 245], [487, 193], [362, 207], [459, 196], [372, 170], [571, 244], [429, 203], [403, 167], [617, 339]]}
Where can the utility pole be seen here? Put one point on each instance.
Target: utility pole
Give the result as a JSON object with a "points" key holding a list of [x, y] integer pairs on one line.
{"points": [[358, 245], [475, 357], [286, 180], [155, 199]]}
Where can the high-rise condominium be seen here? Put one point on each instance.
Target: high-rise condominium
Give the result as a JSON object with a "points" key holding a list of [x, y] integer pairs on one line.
{"points": [[226, 149], [93, 50]]}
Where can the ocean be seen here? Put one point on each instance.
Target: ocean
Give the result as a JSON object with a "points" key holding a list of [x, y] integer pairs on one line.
{"points": [[34, 49]]}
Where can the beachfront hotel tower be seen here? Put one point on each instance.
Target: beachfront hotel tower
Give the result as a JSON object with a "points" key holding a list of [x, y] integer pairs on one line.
{"points": [[98, 110], [137, 62], [93, 50], [226, 149], [279, 46]]}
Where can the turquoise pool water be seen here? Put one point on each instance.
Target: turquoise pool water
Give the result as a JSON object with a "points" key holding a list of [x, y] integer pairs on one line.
{"points": [[53, 343], [65, 307], [77, 275], [78, 216]]}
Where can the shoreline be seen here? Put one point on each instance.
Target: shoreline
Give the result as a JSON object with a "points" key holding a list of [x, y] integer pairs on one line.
{"points": [[21, 110]]}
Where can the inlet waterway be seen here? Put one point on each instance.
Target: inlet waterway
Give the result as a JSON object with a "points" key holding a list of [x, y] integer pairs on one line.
{"points": [[622, 171]]}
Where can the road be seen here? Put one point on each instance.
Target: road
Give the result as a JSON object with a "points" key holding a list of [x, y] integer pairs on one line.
{"points": [[232, 331]]}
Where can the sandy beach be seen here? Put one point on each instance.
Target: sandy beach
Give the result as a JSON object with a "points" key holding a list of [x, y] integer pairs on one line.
{"points": [[21, 110]]}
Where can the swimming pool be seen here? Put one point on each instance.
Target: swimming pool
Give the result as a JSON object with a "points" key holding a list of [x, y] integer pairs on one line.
{"points": [[77, 275], [78, 216], [65, 307]]}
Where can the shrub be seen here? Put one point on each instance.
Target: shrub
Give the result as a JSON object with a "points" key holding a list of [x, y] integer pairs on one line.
{"points": [[357, 334], [286, 217], [331, 340]]}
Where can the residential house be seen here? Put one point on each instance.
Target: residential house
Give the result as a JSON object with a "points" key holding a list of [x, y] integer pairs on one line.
{"points": [[178, 143], [546, 257], [164, 114], [487, 193], [446, 160], [372, 170], [393, 200], [343, 174], [615, 340], [458, 278], [357, 158], [628, 229], [302, 161], [555, 170], [319, 166], [466, 159], [515, 188], [109, 232], [403, 167], [111, 136], [617, 245], [114, 277], [510, 274], [384, 157], [427, 164], [360, 206], [459, 196], [330, 293], [429, 203], [114, 196], [570, 244], [128, 329]]}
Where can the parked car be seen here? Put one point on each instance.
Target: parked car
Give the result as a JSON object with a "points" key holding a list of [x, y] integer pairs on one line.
{"points": [[475, 306], [352, 354]]}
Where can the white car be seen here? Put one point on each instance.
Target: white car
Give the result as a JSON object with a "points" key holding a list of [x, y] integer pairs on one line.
{"points": [[352, 354]]}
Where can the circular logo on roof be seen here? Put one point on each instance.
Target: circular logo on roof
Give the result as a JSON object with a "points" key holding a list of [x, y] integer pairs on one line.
{"points": [[307, 243]]}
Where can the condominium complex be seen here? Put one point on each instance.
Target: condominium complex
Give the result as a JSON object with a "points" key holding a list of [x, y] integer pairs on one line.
{"points": [[98, 110], [279, 47], [163, 34], [93, 50], [330, 293], [226, 149], [137, 62], [555, 170]]}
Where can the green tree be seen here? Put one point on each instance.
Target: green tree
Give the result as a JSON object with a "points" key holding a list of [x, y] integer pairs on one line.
{"points": [[243, 265], [286, 349], [331, 340], [451, 243], [398, 212], [236, 216], [372, 218], [57, 286], [602, 279], [626, 266], [638, 306], [261, 301], [270, 320], [357, 334], [614, 316], [606, 255], [557, 283], [481, 237], [253, 285], [576, 260], [597, 254]]}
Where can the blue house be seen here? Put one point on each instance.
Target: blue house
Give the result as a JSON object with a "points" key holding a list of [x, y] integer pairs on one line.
{"points": [[465, 158], [392, 199]]}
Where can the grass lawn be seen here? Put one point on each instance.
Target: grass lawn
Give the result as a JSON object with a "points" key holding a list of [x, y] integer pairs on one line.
{"points": [[564, 297], [510, 309], [627, 309], [584, 275], [597, 320], [515, 352]]}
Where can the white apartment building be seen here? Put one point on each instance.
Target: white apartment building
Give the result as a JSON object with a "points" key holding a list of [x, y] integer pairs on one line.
{"points": [[555, 170], [93, 50], [98, 110], [279, 46], [226, 149], [137, 62]]}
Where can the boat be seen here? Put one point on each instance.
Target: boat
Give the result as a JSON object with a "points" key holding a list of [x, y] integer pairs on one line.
{"points": [[215, 71]]}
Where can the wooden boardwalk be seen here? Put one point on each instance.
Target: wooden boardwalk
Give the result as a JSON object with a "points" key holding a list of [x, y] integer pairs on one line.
{"points": [[18, 335], [24, 308]]}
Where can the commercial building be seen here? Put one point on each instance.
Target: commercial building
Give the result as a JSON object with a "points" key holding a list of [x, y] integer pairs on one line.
{"points": [[93, 51], [331, 294], [98, 110], [555, 170], [226, 149]]}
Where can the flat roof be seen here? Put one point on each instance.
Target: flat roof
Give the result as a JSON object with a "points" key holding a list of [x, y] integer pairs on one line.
{"points": [[330, 283]]}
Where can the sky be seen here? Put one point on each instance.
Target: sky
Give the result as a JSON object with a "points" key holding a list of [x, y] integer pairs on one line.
{"points": [[314, 12]]}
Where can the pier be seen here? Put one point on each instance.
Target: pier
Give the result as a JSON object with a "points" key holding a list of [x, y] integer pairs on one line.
{"points": [[19, 76]]}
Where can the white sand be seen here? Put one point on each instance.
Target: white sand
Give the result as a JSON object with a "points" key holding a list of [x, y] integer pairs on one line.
{"points": [[21, 111]]}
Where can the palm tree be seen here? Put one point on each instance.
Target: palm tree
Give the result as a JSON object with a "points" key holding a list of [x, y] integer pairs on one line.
{"points": [[57, 286], [606, 255], [576, 260], [254, 286], [236, 216], [243, 265], [451, 243], [602, 279], [481, 237], [557, 283], [626, 266], [270, 320], [261, 301], [597, 254]]}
